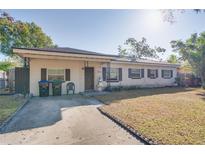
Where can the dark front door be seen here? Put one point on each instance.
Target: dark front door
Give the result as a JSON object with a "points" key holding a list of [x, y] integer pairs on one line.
{"points": [[21, 80], [89, 78]]}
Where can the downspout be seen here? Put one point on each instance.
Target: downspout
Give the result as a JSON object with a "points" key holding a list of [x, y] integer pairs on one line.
{"points": [[26, 62], [108, 67]]}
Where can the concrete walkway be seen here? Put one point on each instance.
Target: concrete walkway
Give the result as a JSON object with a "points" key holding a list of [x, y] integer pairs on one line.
{"points": [[64, 120]]}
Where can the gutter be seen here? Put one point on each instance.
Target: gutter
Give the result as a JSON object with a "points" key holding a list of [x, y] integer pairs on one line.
{"points": [[146, 63]]}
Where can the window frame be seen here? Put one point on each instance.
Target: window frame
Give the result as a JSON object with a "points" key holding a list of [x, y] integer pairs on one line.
{"points": [[55, 74], [134, 76], [170, 74], [108, 73], [155, 74]]}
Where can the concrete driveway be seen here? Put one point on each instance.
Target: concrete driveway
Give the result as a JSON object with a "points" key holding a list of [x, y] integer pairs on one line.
{"points": [[64, 120]]}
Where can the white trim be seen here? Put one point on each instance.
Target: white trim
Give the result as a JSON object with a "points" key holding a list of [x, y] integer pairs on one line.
{"points": [[153, 72], [169, 74], [134, 77], [55, 69], [41, 52], [118, 74], [147, 64], [114, 60]]}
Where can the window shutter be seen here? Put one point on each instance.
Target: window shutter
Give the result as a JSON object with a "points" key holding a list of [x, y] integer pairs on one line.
{"points": [[120, 74], [43, 74], [162, 73], [156, 73], [142, 73], [104, 73], [171, 73], [67, 74], [148, 73], [129, 73]]}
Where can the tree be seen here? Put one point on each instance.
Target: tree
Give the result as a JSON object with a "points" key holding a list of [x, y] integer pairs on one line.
{"points": [[173, 59], [5, 65], [139, 49], [170, 14], [15, 33], [193, 50], [186, 67]]}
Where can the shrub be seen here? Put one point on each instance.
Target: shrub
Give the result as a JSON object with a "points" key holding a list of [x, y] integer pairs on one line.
{"points": [[119, 88]]}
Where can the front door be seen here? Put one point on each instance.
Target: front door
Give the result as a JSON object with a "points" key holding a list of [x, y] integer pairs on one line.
{"points": [[89, 78]]}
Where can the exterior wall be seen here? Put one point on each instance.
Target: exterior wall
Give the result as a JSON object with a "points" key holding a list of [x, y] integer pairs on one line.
{"points": [[143, 82], [77, 74]]}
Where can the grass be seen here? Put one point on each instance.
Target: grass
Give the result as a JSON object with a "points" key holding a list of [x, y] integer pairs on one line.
{"points": [[165, 115], [8, 105]]}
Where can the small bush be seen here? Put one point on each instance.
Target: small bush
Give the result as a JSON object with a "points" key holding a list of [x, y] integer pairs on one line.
{"points": [[119, 88]]}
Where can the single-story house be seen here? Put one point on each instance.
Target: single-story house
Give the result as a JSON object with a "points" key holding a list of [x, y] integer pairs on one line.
{"points": [[86, 69]]}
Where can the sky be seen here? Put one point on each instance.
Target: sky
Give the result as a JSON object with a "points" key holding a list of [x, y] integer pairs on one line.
{"points": [[103, 30]]}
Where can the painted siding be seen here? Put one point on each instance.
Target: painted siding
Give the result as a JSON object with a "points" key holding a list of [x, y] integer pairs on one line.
{"points": [[77, 74], [143, 82]]}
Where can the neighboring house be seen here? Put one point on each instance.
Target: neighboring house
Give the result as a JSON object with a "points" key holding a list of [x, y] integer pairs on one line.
{"points": [[186, 76], [3, 79], [86, 69]]}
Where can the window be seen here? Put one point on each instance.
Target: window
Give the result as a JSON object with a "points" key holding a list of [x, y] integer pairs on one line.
{"points": [[152, 73], [167, 74], [56, 74], [112, 74], [135, 73]]}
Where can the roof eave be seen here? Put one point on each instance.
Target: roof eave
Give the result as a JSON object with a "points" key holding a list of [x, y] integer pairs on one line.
{"points": [[148, 63], [21, 52]]}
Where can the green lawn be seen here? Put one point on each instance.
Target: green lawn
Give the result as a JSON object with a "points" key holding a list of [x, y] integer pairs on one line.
{"points": [[8, 105], [165, 115]]}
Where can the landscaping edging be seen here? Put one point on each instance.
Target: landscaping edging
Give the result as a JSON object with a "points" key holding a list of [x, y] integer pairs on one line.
{"points": [[127, 127], [4, 124]]}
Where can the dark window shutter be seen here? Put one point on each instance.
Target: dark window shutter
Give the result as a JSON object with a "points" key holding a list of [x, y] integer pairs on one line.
{"points": [[120, 74], [156, 73], [129, 73], [162, 73], [104, 73], [67, 74], [171, 73], [148, 73], [142, 73], [43, 74]]}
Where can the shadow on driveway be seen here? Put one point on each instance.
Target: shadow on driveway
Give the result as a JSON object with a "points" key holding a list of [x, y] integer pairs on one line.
{"points": [[45, 111]]}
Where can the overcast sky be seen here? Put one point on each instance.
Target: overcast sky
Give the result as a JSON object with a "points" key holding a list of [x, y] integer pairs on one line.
{"points": [[103, 30]]}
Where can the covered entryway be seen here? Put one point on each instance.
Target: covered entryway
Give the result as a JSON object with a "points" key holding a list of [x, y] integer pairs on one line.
{"points": [[89, 78]]}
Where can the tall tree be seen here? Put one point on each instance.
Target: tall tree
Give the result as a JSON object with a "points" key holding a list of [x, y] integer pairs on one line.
{"points": [[139, 49], [169, 15], [173, 59], [20, 34], [193, 50], [186, 67]]}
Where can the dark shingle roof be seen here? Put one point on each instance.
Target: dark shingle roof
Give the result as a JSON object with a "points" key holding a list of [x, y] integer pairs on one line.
{"points": [[85, 52], [143, 60], [67, 50]]}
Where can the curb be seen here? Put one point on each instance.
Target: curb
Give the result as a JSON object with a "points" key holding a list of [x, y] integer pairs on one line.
{"points": [[5, 123], [128, 128]]}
